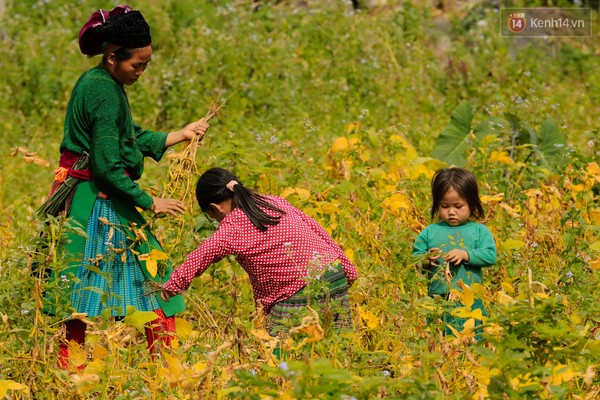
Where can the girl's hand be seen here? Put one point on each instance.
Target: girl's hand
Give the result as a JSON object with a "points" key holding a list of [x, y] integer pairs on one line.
{"points": [[435, 253], [166, 294], [457, 256], [169, 206]]}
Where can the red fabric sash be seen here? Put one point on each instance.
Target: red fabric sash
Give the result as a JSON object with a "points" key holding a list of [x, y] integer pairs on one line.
{"points": [[67, 160]]}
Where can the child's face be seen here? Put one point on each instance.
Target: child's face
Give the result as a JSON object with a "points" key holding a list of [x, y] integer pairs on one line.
{"points": [[453, 209]]}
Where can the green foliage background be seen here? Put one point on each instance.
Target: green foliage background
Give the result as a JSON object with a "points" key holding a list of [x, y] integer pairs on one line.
{"points": [[299, 74]]}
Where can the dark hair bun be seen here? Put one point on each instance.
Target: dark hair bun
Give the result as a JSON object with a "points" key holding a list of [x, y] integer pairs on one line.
{"points": [[121, 26], [128, 30]]}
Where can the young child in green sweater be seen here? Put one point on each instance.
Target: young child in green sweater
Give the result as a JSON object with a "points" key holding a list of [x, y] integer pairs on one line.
{"points": [[458, 247]]}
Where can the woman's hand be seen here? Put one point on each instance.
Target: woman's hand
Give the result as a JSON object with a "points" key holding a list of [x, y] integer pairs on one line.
{"points": [[457, 256], [190, 131], [168, 206], [166, 294]]}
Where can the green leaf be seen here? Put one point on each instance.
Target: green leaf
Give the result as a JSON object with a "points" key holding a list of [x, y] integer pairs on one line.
{"points": [[490, 126], [138, 319], [451, 145], [552, 144]]}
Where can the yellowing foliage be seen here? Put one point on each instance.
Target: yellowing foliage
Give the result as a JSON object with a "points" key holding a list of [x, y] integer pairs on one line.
{"points": [[152, 260]]}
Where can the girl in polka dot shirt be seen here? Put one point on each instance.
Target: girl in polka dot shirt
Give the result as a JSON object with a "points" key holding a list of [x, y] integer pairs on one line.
{"points": [[275, 243]]}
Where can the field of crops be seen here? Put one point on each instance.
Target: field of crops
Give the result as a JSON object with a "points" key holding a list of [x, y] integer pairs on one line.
{"points": [[347, 114]]}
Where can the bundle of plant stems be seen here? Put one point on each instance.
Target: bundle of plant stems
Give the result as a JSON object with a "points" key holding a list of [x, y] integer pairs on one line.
{"points": [[183, 168], [56, 202], [179, 183]]}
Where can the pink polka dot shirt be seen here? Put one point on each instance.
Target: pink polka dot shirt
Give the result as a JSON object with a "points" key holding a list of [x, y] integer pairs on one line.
{"points": [[276, 259]]}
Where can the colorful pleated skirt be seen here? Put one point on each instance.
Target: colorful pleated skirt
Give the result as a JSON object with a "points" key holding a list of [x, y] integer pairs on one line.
{"points": [[110, 277], [333, 306]]}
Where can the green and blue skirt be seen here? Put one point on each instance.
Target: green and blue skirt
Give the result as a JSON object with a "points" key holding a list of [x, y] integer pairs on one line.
{"points": [[110, 275]]}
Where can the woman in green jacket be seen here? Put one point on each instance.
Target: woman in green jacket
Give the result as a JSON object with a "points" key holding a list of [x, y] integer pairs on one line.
{"points": [[104, 275]]}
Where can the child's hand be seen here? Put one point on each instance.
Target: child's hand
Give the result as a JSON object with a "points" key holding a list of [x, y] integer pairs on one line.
{"points": [[457, 256], [166, 294], [434, 254]]}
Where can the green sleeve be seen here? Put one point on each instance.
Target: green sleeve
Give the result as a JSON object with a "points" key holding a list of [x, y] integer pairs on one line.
{"points": [[109, 109], [152, 144], [421, 245], [484, 253]]}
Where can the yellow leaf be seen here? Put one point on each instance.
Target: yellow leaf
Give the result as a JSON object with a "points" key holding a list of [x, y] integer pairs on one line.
{"points": [[593, 169], [99, 353], [200, 366], [158, 255], [311, 327], [508, 287], [287, 191], [595, 216], [138, 319], [464, 312], [96, 367], [574, 317], [500, 156], [152, 267], [303, 193], [512, 244], [467, 298], [492, 199], [329, 208], [503, 298], [352, 127], [420, 169], [350, 254], [261, 334], [184, 328], [152, 259], [368, 317], [6, 385], [595, 264], [86, 382], [562, 374], [340, 144], [77, 355], [175, 369], [396, 202]]}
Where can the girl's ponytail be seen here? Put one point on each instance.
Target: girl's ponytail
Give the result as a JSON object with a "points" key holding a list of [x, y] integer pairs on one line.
{"points": [[218, 184]]}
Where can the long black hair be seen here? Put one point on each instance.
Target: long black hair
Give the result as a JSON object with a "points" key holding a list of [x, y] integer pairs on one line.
{"points": [[465, 184], [213, 187]]}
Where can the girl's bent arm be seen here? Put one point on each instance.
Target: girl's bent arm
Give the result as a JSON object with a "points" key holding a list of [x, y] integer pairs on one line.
{"points": [[485, 253], [209, 252]]}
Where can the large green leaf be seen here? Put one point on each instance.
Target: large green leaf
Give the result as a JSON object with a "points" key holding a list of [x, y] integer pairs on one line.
{"points": [[552, 146], [490, 126], [451, 144], [520, 132]]}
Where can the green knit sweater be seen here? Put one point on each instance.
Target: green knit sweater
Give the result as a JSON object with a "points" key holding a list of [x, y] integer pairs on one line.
{"points": [[473, 237], [98, 120]]}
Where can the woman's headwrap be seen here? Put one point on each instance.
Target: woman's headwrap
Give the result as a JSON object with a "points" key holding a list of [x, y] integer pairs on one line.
{"points": [[120, 27]]}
